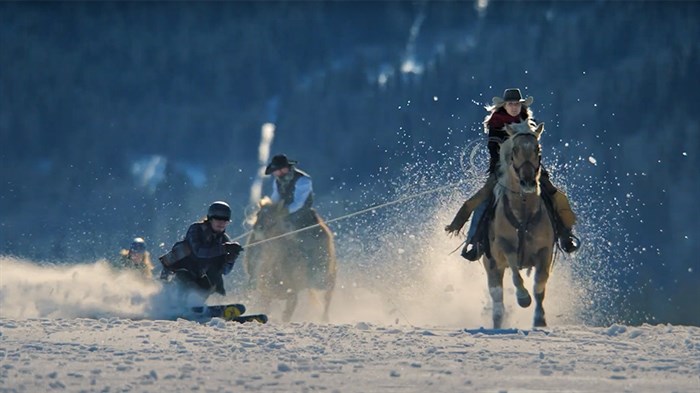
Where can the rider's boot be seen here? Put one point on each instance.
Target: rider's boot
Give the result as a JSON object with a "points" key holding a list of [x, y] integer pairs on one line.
{"points": [[474, 249], [567, 240], [564, 215]]}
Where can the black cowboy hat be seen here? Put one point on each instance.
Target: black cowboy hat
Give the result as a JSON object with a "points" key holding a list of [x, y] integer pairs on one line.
{"points": [[278, 162], [512, 95]]}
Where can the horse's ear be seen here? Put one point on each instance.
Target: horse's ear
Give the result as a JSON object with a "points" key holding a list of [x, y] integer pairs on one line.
{"points": [[539, 129], [509, 130]]}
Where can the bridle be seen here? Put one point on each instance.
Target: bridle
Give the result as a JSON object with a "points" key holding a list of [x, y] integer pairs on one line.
{"points": [[522, 227], [517, 168]]}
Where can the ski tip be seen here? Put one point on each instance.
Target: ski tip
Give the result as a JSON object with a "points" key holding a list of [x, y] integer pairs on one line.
{"points": [[260, 318]]}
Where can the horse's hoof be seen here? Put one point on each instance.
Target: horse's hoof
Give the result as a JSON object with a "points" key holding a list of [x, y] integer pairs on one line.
{"points": [[497, 323], [498, 312], [540, 322], [525, 301]]}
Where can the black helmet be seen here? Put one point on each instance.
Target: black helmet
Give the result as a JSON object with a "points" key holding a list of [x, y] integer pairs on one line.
{"points": [[219, 210], [138, 245]]}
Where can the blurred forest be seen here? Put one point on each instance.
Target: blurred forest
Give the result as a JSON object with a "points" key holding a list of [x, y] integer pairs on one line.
{"points": [[90, 91]]}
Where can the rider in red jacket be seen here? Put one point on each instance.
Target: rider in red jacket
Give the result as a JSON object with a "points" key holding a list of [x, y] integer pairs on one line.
{"points": [[509, 109]]}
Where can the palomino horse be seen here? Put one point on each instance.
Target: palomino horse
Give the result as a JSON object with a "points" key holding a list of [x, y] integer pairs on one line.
{"points": [[521, 234], [281, 264]]}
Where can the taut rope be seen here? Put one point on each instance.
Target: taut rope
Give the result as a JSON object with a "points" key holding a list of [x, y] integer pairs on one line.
{"points": [[371, 208]]}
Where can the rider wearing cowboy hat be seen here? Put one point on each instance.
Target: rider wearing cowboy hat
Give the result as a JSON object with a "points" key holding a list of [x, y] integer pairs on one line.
{"points": [[293, 189], [511, 108]]}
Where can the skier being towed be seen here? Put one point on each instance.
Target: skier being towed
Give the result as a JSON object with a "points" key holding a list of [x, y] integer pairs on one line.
{"points": [[199, 262]]}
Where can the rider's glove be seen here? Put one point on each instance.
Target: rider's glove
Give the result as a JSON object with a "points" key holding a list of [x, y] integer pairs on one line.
{"points": [[232, 249]]}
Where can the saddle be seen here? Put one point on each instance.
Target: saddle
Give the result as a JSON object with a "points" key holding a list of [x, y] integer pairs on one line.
{"points": [[481, 238]]}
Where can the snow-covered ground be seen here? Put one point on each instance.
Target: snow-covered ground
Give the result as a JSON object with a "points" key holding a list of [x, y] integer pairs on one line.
{"points": [[118, 355], [87, 328]]}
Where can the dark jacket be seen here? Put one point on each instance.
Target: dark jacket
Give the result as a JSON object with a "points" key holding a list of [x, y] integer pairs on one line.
{"points": [[287, 189], [497, 133], [296, 197], [207, 261]]}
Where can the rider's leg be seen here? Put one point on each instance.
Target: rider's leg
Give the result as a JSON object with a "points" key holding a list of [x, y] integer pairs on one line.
{"points": [[475, 236], [568, 242], [478, 213], [471, 204], [474, 248]]}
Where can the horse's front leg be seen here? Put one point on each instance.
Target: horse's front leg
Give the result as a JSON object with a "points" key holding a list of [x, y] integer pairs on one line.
{"points": [[540, 320], [494, 275], [541, 277], [521, 293]]}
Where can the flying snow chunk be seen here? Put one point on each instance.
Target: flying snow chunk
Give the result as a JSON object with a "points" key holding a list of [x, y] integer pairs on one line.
{"points": [[592, 160]]}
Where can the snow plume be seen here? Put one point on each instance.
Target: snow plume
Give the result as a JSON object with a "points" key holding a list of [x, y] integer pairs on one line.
{"points": [[267, 134], [605, 258], [91, 290], [396, 264], [395, 261], [85, 290]]}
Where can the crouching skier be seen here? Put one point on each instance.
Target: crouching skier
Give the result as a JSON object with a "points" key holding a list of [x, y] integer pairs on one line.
{"points": [[198, 263]]}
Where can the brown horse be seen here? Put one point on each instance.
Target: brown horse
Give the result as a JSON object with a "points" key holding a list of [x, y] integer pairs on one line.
{"points": [[281, 261], [521, 234]]}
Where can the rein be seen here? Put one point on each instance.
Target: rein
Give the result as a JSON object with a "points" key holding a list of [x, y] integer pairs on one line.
{"points": [[530, 220], [521, 226]]}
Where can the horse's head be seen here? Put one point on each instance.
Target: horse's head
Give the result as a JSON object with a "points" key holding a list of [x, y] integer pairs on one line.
{"points": [[268, 220], [521, 154]]}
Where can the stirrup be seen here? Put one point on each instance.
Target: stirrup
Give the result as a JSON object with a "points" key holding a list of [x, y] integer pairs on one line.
{"points": [[569, 243], [474, 253]]}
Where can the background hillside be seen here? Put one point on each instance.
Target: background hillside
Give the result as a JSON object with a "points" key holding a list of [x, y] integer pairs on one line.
{"points": [[126, 119]]}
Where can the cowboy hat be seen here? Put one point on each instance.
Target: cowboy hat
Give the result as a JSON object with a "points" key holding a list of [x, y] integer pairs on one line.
{"points": [[278, 162], [512, 95]]}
